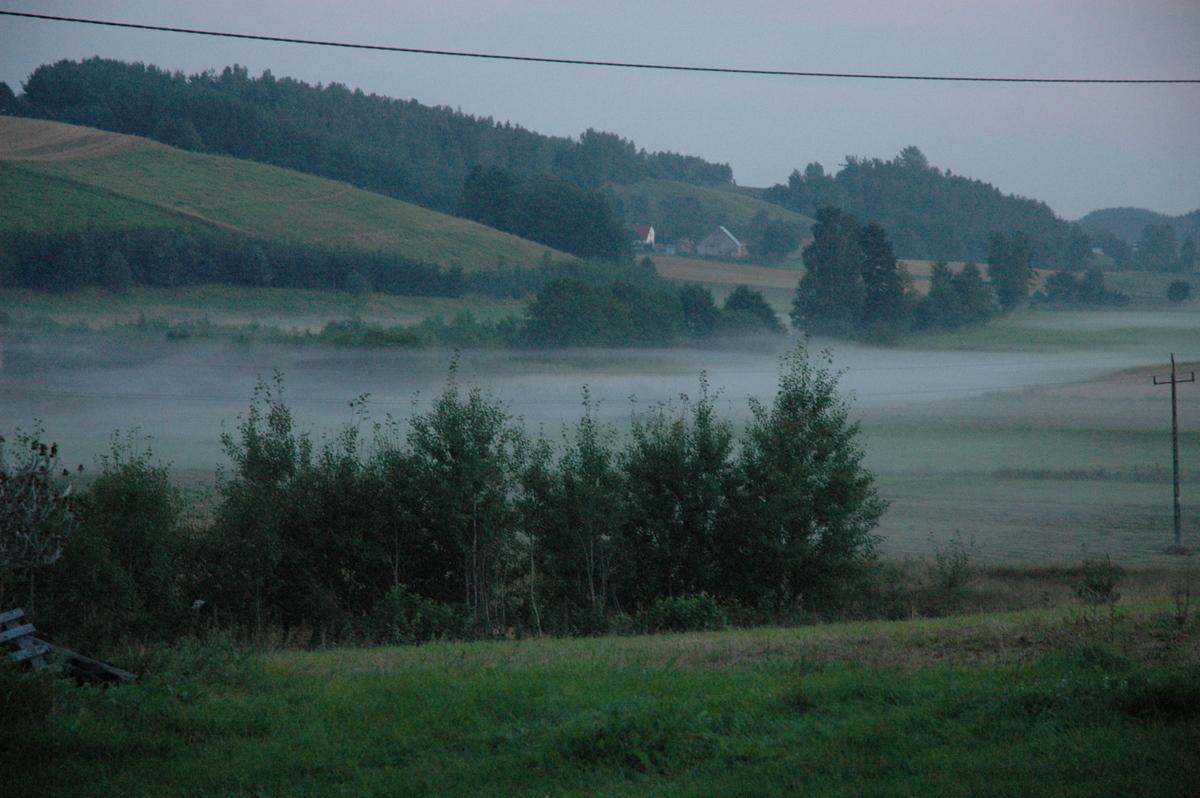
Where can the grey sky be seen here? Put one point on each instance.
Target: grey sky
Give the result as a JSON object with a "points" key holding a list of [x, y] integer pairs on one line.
{"points": [[1076, 147]]}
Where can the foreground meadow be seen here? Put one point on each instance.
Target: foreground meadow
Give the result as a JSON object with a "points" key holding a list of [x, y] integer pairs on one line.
{"points": [[1077, 702]]}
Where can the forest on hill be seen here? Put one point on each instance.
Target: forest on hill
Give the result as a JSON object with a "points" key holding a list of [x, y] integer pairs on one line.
{"points": [[930, 213], [401, 148], [1127, 224], [425, 155]]}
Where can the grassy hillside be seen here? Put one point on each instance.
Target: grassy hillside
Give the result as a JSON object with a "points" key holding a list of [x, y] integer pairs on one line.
{"points": [[679, 209], [1054, 702], [146, 183]]}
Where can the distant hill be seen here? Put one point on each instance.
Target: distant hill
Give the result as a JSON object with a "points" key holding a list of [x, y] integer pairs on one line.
{"points": [[928, 213], [1127, 223], [56, 176], [401, 148], [680, 210]]}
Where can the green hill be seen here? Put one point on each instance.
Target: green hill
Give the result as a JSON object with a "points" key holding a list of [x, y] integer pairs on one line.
{"points": [[1127, 223], [55, 176], [680, 210], [400, 148]]}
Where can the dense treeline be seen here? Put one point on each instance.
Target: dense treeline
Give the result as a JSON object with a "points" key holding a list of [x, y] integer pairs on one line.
{"points": [[400, 148], [458, 524], [1127, 224], [853, 285], [545, 209], [1065, 288], [117, 258], [574, 303], [929, 213]]}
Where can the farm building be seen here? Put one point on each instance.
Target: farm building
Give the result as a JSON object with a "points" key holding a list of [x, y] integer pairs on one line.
{"points": [[644, 233], [721, 243]]}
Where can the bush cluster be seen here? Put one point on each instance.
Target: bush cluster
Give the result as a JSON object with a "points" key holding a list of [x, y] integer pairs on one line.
{"points": [[461, 524]]}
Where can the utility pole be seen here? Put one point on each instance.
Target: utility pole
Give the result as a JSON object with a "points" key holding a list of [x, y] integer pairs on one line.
{"points": [[1174, 380]]}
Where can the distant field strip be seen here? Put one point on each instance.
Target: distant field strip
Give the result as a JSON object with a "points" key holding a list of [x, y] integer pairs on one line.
{"points": [[708, 271]]}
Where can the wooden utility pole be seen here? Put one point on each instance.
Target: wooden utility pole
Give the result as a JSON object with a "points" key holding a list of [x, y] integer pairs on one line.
{"points": [[1173, 381]]}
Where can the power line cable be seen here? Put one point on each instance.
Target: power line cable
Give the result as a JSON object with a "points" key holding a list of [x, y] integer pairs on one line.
{"points": [[586, 62]]}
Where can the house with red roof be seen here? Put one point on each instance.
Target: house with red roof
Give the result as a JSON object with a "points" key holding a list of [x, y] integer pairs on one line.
{"points": [[644, 233]]}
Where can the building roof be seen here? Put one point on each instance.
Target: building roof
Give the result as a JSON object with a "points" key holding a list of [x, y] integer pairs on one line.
{"points": [[642, 230], [732, 238]]}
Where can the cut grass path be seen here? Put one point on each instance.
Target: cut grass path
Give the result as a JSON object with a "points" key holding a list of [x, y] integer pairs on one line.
{"points": [[1023, 705]]}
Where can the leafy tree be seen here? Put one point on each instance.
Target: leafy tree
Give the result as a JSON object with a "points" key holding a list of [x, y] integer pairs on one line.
{"points": [[1156, 250], [546, 209], [883, 292], [1179, 291], [1187, 256], [118, 277], [178, 132], [771, 239], [38, 514], [829, 298], [466, 457], [1009, 269], [1091, 287], [942, 307], [750, 303], [701, 316], [1061, 287], [487, 196], [1116, 248], [8, 100], [805, 507], [678, 472], [975, 295], [1065, 289], [1078, 255], [574, 514], [130, 549]]}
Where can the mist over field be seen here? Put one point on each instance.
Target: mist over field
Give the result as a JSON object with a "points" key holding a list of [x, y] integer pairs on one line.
{"points": [[178, 395], [999, 446]]}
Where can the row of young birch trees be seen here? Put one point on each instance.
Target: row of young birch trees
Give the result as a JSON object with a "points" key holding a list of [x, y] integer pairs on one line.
{"points": [[460, 523]]}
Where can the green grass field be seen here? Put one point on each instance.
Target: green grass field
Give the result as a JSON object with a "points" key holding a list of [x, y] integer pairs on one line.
{"points": [[734, 208], [286, 308], [158, 185], [1022, 704]]}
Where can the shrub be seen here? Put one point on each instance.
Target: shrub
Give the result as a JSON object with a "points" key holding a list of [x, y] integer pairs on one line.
{"points": [[947, 578], [121, 574], [1098, 581], [37, 512], [28, 696], [117, 275], [1179, 291], [402, 616], [683, 614]]}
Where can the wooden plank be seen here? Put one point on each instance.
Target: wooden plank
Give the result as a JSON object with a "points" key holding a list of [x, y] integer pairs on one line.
{"points": [[12, 615], [16, 631]]}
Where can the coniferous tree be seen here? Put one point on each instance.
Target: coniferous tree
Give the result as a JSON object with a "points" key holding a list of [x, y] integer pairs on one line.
{"points": [[1187, 256], [1009, 269], [830, 294], [975, 295], [883, 292], [1156, 250]]}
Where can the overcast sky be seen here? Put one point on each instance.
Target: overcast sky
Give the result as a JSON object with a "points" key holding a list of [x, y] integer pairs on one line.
{"points": [[1076, 147]]}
